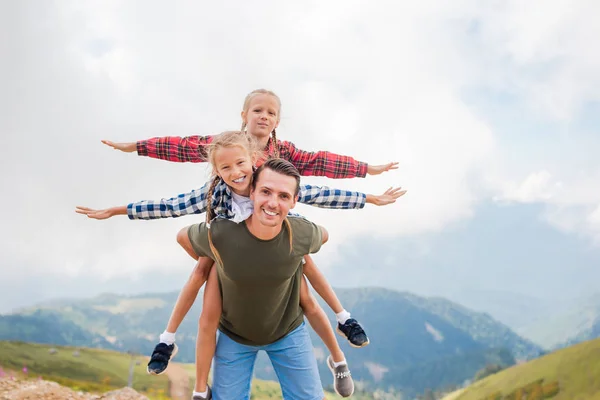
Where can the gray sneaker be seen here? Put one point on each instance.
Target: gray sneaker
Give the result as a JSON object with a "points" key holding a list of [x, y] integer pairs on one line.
{"points": [[342, 380], [208, 395]]}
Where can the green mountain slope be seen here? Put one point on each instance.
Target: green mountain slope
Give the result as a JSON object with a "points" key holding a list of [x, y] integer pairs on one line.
{"points": [[416, 343], [569, 373]]}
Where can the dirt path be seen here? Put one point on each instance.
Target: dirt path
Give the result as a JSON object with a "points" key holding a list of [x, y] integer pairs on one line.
{"points": [[180, 382]]}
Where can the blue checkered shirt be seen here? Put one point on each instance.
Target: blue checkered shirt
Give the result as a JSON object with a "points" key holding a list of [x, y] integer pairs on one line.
{"points": [[195, 202]]}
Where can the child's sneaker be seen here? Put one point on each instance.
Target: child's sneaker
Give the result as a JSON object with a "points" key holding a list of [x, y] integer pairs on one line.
{"points": [[160, 358], [353, 332], [342, 380], [208, 395]]}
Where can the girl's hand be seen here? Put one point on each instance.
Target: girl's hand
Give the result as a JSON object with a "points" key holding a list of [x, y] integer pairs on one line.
{"points": [[124, 147], [378, 169], [388, 197], [100, 214]]}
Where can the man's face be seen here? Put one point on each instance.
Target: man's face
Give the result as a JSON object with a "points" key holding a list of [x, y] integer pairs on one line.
{"points": [[273, 197]]}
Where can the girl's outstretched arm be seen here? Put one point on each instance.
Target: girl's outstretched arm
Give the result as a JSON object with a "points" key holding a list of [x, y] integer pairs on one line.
{"points": [[193, 202], [309, 163], [326, 197], [170, 148], [331, 165]]}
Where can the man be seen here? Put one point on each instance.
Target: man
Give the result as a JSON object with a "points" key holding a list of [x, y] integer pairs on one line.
{"points": [[259, 269]]}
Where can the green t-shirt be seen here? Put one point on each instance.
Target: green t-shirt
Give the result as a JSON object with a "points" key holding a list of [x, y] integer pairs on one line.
{"points": [[259, 279]]}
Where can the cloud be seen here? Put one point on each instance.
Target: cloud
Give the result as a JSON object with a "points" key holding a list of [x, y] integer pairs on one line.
{"points": [[539, 51], [537, 187], [380, 82]]}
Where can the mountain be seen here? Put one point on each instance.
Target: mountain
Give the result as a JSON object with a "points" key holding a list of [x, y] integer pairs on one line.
{"points": [[48, 327], [514, 309], [574, 322], [568, 373], [416, 343]]}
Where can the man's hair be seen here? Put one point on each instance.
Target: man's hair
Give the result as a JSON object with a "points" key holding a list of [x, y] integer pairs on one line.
{"points": [[280, 166]]}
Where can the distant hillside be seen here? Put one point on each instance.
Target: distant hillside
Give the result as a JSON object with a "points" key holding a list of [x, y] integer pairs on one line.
{"points": [[50, 327], [574, 322], [566, 374], [416, 343]]}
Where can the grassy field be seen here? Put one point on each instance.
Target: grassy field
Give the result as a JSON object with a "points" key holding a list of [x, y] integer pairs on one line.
{"points": [[81, 369], [572, 373], [94, 370]]}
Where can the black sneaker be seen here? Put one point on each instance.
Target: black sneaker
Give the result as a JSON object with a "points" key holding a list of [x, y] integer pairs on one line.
{"points": [[353, 332], [160, 358]]}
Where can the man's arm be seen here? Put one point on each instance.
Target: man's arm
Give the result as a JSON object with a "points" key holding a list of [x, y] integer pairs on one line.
{"points": [[331, 165], [199, 237], [170, 148], [324, 234]]}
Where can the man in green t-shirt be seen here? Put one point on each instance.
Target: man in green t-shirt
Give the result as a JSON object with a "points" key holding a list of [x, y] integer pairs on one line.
{"points": [[259, 268]]}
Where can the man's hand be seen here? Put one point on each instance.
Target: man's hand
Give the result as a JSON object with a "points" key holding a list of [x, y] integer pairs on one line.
{"points": [[378, 169], [124, 147], [388, 197], [101, 214]]}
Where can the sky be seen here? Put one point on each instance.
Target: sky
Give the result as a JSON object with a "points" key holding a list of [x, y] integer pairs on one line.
{"points": [[492, 110]]}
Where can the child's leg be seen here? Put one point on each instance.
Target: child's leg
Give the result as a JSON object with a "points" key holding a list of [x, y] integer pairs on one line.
{"points": [[319, 322], [189, 292], [166, 348], [321, 286], [347, 326], [209, 321], [342, 380]]}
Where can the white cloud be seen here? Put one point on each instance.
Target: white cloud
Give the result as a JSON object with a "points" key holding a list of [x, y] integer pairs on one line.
{"points": [[540, 51], [378, 81], [537, 187]]}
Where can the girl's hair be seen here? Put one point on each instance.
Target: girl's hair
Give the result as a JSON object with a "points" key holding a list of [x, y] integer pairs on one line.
{"points": [[249, 98], [225, 140]]}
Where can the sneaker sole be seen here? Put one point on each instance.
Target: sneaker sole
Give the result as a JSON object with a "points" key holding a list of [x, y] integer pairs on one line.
{"points": [[175, 349], [349, 342], [333, 374]]}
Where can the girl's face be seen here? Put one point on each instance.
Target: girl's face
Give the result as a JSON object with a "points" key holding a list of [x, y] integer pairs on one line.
{"points": [[234, 166], [262, 115]]}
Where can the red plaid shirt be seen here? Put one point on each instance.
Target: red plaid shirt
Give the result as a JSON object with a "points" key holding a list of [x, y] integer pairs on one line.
{"points": [[192, 149]]}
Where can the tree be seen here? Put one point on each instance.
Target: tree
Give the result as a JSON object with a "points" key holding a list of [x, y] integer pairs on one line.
{"points": [[488, 370]]}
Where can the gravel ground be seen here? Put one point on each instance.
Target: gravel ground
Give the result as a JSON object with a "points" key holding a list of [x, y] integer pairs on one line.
{"points": [[15, 389]]}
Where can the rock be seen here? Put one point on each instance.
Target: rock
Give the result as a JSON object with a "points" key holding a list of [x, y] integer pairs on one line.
{"points": [[123, 394]]}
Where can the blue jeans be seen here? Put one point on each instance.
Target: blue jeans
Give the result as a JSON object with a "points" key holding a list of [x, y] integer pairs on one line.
{"points": [[293, 360]]}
